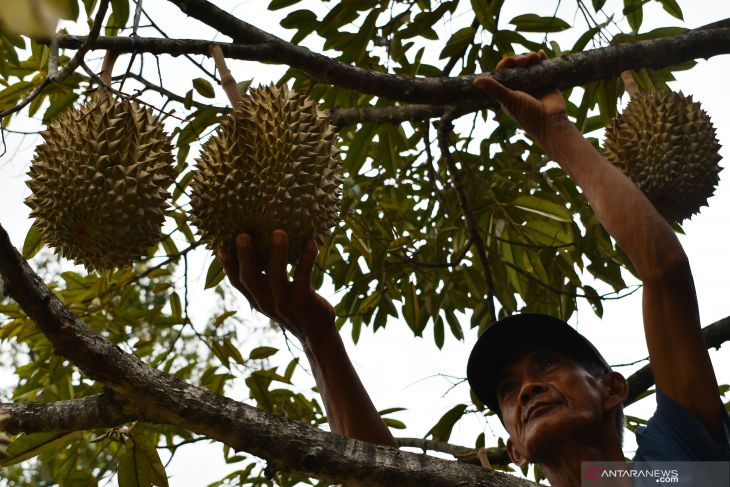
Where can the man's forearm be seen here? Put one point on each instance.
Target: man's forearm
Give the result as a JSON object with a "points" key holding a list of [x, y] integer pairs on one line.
{"points": [[350, 411], [621, 207]]}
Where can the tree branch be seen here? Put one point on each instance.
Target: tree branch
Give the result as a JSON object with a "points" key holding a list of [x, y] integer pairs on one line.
{"points": [[102, 410], [159, 397], [497, 456], [563, 72]]}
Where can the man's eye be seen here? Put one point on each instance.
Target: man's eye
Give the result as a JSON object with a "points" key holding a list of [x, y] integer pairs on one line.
{"points": [[547, 363], [506, 389]]}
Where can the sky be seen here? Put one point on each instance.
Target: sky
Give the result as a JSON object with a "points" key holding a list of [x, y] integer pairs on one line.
{"points": [[398, 369]]}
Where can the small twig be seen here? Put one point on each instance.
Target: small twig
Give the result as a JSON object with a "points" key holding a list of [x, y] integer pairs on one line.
{"points": [[70, 67], [174, 96], [99, 81], [444, 128], [107, 67], [227, 81], [630, 84], [53, 57]]}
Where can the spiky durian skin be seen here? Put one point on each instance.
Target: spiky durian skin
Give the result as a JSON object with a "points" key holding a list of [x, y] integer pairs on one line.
{"points": [[99, 183], [272, 164], [667, 145]]}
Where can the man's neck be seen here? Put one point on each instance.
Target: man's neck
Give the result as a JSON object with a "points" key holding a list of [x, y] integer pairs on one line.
{"points": [[563, 467]]}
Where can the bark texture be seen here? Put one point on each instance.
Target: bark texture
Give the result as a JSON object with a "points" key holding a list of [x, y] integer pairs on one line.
{"points": [[160, 398], [562, 73]]}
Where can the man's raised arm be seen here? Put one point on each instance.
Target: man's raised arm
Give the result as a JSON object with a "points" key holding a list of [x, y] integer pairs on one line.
{"points": [[679, 359], [307, 315]]}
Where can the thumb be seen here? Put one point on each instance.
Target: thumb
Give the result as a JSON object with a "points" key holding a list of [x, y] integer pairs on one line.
{"points": [[495, 89]]}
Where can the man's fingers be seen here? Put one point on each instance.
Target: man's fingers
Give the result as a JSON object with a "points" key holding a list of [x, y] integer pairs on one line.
{"points": [[277, 265], [248, 270], [303, 272], [522, 60], [230, 267], [495, 89]]}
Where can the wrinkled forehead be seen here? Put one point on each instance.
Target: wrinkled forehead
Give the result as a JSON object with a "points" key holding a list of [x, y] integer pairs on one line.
{"points": [[530, 351]]}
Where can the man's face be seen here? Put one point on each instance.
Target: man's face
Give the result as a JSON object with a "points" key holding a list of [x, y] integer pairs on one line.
{"points": [[545, 397]]}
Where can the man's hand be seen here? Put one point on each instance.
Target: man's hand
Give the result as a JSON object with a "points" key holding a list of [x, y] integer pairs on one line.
{"points": [[296, 307], [537, 116], [293, 304]]}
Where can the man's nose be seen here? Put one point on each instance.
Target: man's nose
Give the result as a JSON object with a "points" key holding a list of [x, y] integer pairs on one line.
{"points": [[530, 390]]}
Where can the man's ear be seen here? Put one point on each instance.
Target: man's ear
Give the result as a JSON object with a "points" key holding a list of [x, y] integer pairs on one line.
{"points": [[515, 454], [616, 390]]}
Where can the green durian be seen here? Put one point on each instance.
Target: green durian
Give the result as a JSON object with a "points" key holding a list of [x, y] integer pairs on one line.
{"points": [[99, 182], [667, 145], [273, 163]]}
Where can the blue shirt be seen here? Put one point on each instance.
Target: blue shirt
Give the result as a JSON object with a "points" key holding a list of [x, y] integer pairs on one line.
{"points": [[674, 434]]}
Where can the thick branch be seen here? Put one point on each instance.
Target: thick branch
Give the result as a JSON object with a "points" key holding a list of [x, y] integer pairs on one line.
{"points": [[159, 397], [564, 72], [497, 456], [98, 411]]}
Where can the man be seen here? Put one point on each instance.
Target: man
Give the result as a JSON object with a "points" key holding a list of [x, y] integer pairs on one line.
{"points": [[557, 397]]}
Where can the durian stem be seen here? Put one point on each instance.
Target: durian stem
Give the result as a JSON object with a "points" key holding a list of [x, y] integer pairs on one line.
{"points": [[630, 84], [227, 81], [53, 57], [107, 66]]}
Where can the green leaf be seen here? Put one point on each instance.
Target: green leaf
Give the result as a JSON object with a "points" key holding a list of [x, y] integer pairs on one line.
{"points": [[485, 13], [441, 431], [536, 23], [199, 121], [69, 9], [438, 331], [33, 243], [305, 21], [176, 306], [204, 87], [394, 423], [221, 318], [411, 309], [458, 42], [58, 105], [215, 274], [598, 4], [89, 7], [168, 244], [633, 10], [14, 92], [454, 324], [188, 100], [543, 207], [672, 8], [148, 453], [119, 17], [259, 353], [29, 446], [277, 4], [134, 470]]}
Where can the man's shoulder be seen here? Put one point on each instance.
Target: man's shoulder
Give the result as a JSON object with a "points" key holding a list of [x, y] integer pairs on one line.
{"points": [[674, 434]]}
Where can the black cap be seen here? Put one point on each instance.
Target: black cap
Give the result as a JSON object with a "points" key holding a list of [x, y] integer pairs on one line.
{"points": [[505, 338]]}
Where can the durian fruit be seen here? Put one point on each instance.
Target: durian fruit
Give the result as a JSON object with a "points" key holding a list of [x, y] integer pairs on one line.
{"points": [[99, 182], [667, 145], [272, 164]]}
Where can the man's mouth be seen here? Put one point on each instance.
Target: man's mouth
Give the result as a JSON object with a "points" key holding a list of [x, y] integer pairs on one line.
{"points": [[538, 409]]}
